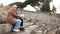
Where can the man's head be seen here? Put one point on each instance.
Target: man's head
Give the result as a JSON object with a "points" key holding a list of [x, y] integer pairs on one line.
{"points": [[15, 7]]}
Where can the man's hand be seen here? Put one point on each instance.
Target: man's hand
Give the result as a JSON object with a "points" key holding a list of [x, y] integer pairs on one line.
{"points": [[21, 15]]}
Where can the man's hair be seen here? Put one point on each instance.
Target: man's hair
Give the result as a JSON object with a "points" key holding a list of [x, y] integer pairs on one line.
{"points": [[17, 7], [14, 6]]}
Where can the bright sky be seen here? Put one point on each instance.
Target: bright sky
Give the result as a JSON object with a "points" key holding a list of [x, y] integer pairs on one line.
{"points": [[29, 8], [56, 3], [6, 2]]}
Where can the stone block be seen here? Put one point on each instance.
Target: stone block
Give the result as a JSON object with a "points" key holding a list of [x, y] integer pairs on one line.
{"points": [[5, 28]]}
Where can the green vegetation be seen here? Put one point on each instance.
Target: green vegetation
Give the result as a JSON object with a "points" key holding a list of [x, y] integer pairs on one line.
{"points": [[22, 5], [34, 3], [46, 5]]}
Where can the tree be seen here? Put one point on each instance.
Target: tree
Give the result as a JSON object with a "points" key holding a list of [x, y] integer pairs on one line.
{"points": [[21, 5], [46, 5], [35, 3]]}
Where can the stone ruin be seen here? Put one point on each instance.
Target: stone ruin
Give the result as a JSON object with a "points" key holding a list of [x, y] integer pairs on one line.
{"points": [[3, 13]]}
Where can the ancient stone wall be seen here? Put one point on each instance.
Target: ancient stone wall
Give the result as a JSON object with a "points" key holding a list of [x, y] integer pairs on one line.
{"points": [[3, 13], [37, 18]]}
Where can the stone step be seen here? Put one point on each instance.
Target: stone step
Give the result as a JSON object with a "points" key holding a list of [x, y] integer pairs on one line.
{"points": [[28, 30], [5, 28], [31, 28], [27, 24], [53, 31]]}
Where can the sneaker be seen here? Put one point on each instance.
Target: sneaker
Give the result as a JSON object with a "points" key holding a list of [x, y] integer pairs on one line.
{"points": [[16, 30]]}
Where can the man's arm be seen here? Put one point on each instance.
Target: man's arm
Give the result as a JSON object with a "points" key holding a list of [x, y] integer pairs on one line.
{"points": [[14, 14]]}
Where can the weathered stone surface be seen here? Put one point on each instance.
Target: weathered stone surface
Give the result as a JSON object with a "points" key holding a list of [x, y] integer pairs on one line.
{"points": [[38, 18], [28, 30], [31, 28], [45, 29], [53, 31], [3, 16], [58, 31], [45, 21], [5, 28], [39, 32]]}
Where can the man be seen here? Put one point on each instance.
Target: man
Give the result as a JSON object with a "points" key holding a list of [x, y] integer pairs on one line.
{"points": [[12, 17]]}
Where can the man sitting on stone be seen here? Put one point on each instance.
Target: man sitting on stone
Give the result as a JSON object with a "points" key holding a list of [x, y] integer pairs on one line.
{"points": [[13, 18]]}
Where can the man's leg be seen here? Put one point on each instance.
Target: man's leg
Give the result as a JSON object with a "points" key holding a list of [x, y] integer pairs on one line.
{"points": [[21, 22], [17, 25]]}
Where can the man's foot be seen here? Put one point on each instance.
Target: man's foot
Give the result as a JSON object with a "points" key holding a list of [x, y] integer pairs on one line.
{"points": [[16, 30]]}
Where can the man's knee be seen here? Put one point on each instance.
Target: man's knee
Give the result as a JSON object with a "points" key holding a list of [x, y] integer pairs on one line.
{"points": [[18, 20]]}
